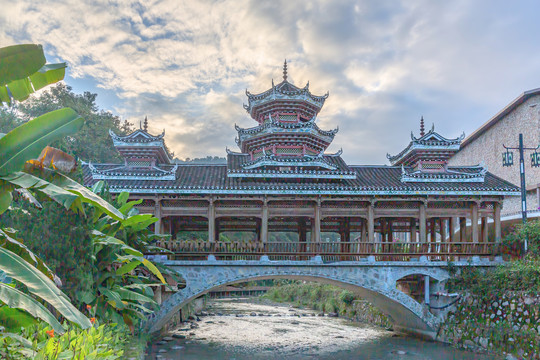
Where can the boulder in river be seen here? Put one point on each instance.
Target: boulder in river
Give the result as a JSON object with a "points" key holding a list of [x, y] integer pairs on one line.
{"points": [[333, 314], [253, 314], [179, 336]]}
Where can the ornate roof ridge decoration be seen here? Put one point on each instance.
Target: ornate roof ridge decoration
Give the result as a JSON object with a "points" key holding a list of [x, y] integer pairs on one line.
{"points": [[123, 172], [275, 123], [336, 154], [449, 175], [230, 152], [428, 141], [272, 160], [285, 90], [295, 173], [138, 136]]}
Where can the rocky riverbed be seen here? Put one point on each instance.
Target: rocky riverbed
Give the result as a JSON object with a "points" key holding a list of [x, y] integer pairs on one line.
{"points": [[241, 329]]}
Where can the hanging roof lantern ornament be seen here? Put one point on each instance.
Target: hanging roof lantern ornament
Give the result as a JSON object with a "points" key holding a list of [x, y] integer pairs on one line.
{"points": [[146, 123], [422, 132], [285, 70]]}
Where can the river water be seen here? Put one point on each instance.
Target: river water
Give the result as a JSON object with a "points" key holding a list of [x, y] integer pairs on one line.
{"points": [[241, 329]]}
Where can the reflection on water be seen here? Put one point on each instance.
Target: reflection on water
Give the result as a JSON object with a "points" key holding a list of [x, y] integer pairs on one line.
{"points": [[241, 330]]}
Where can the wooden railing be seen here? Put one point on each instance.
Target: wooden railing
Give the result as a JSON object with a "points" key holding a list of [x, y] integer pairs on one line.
{"points": [[329, 251]]}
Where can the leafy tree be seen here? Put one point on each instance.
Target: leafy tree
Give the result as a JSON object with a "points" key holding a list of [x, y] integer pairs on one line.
{"points": [[92, 142]]}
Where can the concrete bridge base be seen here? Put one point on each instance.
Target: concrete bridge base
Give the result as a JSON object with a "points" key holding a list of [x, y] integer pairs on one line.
{"points": [[372, 280]]}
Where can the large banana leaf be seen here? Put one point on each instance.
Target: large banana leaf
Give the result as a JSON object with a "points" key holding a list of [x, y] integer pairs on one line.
{"points": [[131, 295], [20, 61], [40, 285], [26, 141], [7, 241], [27, 181], [23, 71], [86, 195], [133, 255], [17, 299]]}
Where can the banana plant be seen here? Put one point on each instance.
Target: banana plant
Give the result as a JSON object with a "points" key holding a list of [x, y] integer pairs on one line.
{"points": [[23, 70], [123, 276], [37, 283]]}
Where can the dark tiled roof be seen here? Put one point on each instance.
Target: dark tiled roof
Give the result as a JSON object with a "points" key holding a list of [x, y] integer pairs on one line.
{"points": [[370, 180]]}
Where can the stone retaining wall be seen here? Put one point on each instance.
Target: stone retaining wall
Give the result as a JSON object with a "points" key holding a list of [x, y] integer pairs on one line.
{"points": [[507, 324]]}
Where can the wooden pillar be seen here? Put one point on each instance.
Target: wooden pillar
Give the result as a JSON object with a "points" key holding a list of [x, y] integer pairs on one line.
{"points": [[211, 221], [412, 230], [497, 221], [371, 223], [462, 229], [302, 230], [157, 214], [382, 221], [483, 229], [390, 231], [364, 231], [264, 222], [258, 228], [442, 225], [317, 229], [453, 234], [474, 220], [171, 222], [433, 230], [422, 223]]}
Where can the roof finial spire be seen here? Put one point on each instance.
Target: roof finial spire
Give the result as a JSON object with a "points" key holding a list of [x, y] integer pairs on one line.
{"points": [[146, 123], [422, 133], [285, 70]]}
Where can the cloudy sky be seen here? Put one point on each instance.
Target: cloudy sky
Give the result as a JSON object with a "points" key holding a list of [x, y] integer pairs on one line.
{"points": [[186, 64]]}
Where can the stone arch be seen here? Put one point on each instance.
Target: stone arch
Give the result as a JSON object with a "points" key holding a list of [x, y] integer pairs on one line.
{"points": [[376, 285], [434, 273]]}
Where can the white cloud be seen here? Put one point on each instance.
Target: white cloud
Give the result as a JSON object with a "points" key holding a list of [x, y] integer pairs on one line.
{"points": [[185, 64]]}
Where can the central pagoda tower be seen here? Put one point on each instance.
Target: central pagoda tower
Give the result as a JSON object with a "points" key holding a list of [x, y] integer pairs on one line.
{"points": [[287, 141]]}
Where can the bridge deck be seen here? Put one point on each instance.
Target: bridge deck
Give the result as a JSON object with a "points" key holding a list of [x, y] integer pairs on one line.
{"points": [[329, 251]]}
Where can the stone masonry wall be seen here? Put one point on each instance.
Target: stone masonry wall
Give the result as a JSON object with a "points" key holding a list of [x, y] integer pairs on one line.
{"points": [[509, 324], [487, 148]]}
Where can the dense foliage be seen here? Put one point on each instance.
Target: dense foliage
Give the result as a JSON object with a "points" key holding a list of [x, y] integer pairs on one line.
{"points": [[29, 170], [521, 274], [513, 243], [61, 237], [326, 298], [40, 342]]}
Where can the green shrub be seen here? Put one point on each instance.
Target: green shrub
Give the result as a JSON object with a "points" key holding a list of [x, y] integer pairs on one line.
{"points": [[519, 275], [513, 243], [347, 297], [13, 319]]}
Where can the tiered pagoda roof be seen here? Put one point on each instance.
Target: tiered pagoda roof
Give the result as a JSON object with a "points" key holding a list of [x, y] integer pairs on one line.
{"points": [[425, 160], [285, 154], [287, 139], [282, 98]]}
